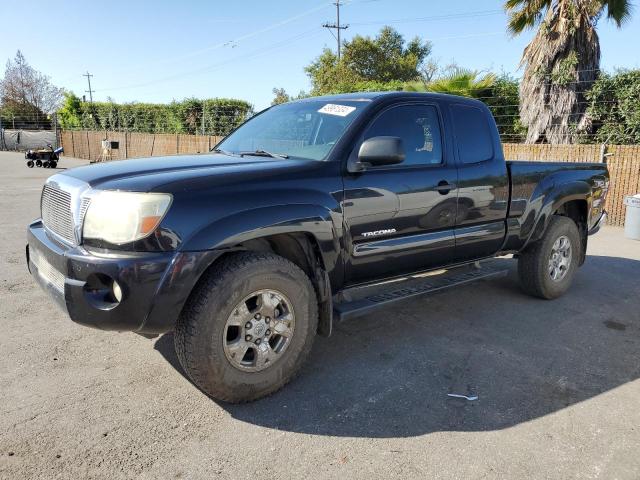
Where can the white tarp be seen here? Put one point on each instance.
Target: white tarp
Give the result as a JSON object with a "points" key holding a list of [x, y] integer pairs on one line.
{"points": [[26, 139]]}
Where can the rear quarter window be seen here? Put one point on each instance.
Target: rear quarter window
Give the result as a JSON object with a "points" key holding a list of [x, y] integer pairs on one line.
{"points": [[473, 134]]}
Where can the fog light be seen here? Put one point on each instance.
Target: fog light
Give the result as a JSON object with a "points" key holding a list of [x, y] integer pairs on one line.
{"points": [[102, 292], [117, 291]]}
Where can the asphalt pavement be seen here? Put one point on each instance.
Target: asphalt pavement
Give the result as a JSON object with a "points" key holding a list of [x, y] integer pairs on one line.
{"points": [[557, 384]]}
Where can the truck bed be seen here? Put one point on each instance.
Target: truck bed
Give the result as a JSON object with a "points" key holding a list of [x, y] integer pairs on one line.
{"points": [[536, 187]]}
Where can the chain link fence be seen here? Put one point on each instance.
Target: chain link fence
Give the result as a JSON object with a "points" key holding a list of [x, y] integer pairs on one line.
{"points": [[623, 161]]}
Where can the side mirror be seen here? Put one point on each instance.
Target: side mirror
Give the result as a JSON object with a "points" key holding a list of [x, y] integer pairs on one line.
{"points": [[379, 151]]}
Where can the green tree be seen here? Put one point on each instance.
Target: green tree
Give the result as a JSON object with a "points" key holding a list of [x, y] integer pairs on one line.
{"points": [[561, 62], [280, 96], [330, 76], [385, 58], [458, 81], [382, 63], [70, 114]]}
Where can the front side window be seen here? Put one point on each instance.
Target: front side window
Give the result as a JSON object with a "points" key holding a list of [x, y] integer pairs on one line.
{"points": [[419, 129], [307, 129]]}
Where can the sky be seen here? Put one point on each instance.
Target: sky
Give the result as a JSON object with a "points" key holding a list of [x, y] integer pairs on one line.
{"points": [[162, 50]]}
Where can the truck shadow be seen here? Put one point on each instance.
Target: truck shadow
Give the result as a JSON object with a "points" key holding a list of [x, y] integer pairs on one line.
{"points": [[388, 374]]}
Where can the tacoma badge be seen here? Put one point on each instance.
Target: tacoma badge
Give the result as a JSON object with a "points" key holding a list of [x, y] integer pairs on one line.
{"points": [[376, 233]]}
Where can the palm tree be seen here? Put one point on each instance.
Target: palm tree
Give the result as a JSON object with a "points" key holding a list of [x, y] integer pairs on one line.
{"points": [[561, 62], [457, 81]]}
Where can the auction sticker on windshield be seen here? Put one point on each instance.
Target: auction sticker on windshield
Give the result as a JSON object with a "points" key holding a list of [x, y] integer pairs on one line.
{"points": [[339, 110]]}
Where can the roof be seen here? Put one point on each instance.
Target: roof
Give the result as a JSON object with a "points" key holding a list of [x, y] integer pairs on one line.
{"points": [[370, 96]]}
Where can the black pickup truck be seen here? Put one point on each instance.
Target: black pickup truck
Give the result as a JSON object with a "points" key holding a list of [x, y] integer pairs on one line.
{"points": [[249, 251]]}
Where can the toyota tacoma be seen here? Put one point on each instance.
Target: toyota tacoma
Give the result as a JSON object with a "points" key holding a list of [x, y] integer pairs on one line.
{"points": [[249, 251]]}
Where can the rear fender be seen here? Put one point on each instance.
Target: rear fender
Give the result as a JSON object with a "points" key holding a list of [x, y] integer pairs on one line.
{"points": [[553, 201]]}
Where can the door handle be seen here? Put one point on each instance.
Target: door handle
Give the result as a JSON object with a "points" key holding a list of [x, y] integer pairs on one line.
{"points": [[445, 187]]}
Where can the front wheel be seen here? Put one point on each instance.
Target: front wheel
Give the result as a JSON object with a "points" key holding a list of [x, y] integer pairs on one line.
{"points": [[248, 326], [546, 269]]}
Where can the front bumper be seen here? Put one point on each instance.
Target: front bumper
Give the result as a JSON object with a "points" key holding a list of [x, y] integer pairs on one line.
{"points": [[154, 285], [598, 225]]}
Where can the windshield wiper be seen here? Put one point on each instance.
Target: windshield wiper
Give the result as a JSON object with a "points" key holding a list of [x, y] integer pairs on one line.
{"points": [[224, 152], [264, 153]]}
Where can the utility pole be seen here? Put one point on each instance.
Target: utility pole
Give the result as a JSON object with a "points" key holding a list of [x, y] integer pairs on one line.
{"points": [[337, 26], [90, 92]]}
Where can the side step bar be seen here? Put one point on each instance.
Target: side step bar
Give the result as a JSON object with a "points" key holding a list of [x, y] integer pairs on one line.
{"points": [[459, 276]]}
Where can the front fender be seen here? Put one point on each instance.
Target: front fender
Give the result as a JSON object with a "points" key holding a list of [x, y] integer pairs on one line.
{"points": [[226, 232]]}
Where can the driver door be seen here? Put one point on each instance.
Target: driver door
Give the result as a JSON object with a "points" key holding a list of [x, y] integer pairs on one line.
{"points": [[401, 218]]}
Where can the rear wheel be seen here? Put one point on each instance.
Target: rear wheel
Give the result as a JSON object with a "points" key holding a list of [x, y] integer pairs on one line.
{"points": [[247, 327], [546, 269]]}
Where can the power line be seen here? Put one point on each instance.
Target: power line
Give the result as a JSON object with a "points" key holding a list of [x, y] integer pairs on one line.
{"points": [[470, 35], [449, 16], [283, 43], [234, 42], [336, 26]]}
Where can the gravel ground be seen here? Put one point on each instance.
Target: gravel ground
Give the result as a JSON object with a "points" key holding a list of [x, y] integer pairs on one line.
{"points": [[557, 384]]}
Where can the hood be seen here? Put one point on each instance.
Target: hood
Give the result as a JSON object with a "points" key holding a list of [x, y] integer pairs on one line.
{"points": [[171, 173]]}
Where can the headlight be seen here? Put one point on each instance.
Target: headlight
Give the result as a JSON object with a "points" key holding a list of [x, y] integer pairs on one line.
{"points": [[123, 217]]}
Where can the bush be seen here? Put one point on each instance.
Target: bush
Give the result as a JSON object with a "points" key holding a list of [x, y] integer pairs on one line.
{"points": [[504, 103], [221, 115], [614, 108]]}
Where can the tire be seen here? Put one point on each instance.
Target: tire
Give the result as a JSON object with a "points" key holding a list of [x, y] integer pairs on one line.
{"points": [[202, 332], [30, 164], [38, 163], [534, 264], [53, 164]]}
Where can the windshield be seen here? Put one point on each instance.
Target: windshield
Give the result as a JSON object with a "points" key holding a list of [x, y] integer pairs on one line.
{"points": [[306, 129]]}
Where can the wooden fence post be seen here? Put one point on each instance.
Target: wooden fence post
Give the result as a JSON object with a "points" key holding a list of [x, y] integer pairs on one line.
{"points": [[73, 145], [88, 146]]}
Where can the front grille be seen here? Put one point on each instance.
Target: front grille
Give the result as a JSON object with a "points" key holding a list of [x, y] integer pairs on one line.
{"points": [[56, 212]]}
